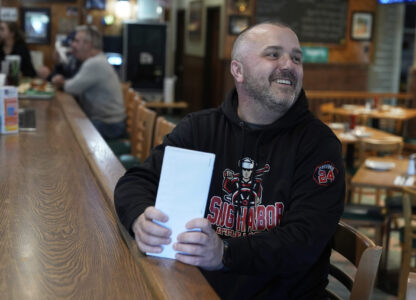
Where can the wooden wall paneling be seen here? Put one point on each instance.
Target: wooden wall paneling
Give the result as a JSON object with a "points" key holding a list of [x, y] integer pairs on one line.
{"points": [[193, 80], [347, 77]]}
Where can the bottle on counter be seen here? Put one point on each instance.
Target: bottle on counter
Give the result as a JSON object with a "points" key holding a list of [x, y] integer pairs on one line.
{"points": [[411, 166]]}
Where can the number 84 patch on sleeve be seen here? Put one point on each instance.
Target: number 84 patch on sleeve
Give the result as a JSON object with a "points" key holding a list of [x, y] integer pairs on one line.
{"points": [[325, 173]]}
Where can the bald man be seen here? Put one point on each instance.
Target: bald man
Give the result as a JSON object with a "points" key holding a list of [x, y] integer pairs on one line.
{"points": [[278, 183]]}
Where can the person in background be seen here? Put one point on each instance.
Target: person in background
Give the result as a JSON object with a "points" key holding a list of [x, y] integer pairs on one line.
{"points": [[66, 63], [278, 184], [12, 42], [96, 84]]}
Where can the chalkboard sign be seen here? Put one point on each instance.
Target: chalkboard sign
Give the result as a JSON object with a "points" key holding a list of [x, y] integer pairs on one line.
{"points": [[314, 21]]}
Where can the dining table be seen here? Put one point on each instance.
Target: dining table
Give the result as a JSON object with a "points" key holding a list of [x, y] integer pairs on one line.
{"points": [[389, 172], [349, 138], [60, 237], [386, 112]]}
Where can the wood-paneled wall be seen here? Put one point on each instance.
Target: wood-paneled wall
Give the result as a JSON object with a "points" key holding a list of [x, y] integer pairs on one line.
{"points": [[347, 67]]}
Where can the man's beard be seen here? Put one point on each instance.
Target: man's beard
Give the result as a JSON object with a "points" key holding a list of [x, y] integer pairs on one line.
{"points": [[261, 92]]}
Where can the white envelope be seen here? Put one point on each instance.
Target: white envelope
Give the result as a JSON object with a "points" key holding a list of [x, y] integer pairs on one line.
{"points": [[183, 190]]}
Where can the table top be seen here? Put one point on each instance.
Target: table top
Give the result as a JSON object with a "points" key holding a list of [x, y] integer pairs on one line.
{"points": [[385, 112], [361, 132], [162, 104], [366, 177], [60, 237]]}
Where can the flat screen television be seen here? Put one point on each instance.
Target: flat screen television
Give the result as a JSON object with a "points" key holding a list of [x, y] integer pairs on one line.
{"points": [[395, 1], [36, 24], [144, 55]]}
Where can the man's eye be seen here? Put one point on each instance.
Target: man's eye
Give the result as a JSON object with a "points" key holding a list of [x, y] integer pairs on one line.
{"points": [[273, 55], [297, 59]]}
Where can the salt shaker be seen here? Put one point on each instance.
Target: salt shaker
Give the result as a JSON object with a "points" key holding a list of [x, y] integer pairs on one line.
{"points": [[411, 166]]}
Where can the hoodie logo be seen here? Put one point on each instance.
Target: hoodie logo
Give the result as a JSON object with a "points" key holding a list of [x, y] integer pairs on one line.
{"points": [[325, 173], [240, 210]]}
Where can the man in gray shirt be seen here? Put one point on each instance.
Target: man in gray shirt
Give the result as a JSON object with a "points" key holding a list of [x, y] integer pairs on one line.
{"points": [[96, 84]]}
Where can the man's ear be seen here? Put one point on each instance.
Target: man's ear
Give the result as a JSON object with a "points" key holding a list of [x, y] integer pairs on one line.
{"points": [[236, 69]]}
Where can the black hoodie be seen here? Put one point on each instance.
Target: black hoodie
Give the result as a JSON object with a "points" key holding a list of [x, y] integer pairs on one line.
{"points": [[287, 177]]}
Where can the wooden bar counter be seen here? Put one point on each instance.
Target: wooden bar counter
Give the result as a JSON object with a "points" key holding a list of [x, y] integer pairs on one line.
{"points": [[59, 235]]}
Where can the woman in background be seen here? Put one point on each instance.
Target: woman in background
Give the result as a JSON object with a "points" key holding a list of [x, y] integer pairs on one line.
{"points": [[12, 42]]}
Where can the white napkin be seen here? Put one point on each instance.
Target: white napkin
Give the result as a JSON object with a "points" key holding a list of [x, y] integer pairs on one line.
{"points": [[347, 135], [404, 180]]}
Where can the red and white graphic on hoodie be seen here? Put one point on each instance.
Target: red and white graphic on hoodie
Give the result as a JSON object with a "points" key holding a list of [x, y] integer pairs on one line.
{"points": [[240, 211], [325, 173]]}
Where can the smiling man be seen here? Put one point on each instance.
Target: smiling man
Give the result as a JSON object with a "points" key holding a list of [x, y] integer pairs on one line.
{"points": [[278, 185]]}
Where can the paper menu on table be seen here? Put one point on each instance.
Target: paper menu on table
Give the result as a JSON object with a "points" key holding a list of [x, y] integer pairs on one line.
{"points": [[183, 190]]}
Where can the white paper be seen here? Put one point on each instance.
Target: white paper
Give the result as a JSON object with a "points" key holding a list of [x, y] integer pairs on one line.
{"points": [[183, 190]]}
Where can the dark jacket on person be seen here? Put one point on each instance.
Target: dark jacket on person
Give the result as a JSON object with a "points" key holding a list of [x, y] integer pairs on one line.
{"points": [[67, 70], [293, 198], [26, 66]]}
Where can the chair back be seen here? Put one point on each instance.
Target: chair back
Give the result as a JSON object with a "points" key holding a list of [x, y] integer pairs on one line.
{"points": [[325, 114], [408, 249], [125, 86], [133, 99], [163, 127], [369, 146], [142, 132], [363, 254]]}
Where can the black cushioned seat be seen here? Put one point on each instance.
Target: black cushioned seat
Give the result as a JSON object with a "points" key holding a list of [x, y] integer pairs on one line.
{"points": [[364, 212]]}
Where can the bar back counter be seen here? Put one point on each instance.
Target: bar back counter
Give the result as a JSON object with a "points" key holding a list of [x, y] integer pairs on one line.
{"points": [[59, 234]]}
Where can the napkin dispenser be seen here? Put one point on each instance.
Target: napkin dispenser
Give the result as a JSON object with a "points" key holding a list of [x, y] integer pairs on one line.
{"points": [[9, 110]]}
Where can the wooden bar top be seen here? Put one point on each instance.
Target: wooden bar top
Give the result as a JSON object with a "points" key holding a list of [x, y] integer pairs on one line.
{"points": [[59, 236]]}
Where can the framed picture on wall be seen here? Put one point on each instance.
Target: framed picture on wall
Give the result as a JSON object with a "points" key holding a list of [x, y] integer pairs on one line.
{"points": [[34, 1], [36, 24], [195, 20], [95, 4], [237, 23], [361, 26]]}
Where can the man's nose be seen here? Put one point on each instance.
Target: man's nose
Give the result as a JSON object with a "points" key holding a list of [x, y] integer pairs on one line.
{"points": [[286, 61]]}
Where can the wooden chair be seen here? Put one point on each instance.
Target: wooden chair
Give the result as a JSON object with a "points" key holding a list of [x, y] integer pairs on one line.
{"points": [[373, 147], [162, 128], [125, 86], [363, 254], [409, 242], [123, 145], [411, 286], [141, 137], [132, 100], [325, 114], [369, 215], [144, 124]]}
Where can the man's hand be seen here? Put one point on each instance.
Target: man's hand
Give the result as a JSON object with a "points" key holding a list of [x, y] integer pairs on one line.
{"points": [[204, 248], [149, 235], [58, 81]]}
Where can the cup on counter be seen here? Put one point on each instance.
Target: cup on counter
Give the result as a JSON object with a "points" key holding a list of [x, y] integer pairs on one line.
{"points": [[353, 121], [4, 67], [14, 69], [2, 79]]}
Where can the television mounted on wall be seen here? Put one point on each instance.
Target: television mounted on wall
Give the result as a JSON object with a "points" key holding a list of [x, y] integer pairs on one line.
{"points": [[395, 1], [36, 24]]}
